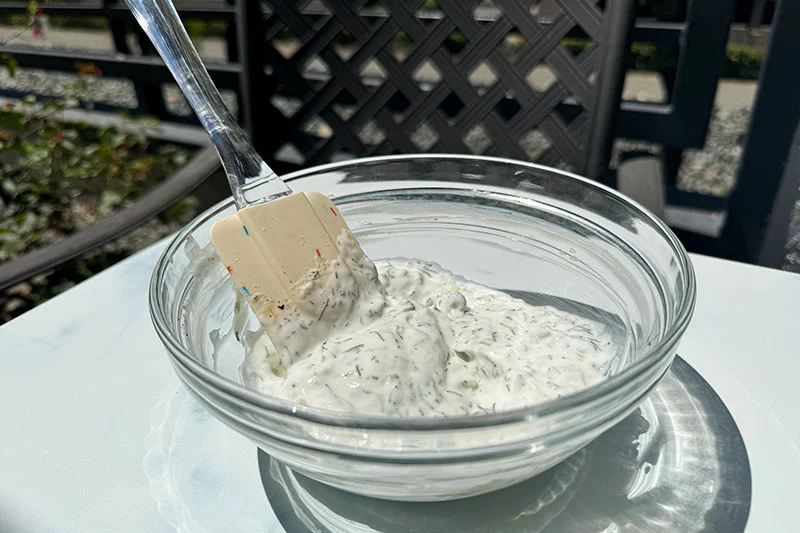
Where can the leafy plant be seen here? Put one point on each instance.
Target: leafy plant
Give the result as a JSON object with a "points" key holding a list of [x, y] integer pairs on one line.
{"points": [[58, 178], [197, 28], [741, 61]]}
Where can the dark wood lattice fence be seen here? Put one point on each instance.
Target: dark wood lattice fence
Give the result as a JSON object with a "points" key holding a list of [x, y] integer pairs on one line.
{"points": [[468, 77]]}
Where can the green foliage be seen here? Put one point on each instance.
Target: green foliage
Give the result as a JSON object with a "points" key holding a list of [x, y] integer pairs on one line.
{"points": [[57, 178], [741, 62], [14, 20], [574, 46], [197, 28], [643, 56], [648, 56], [82, 23], [9, 62], [455, 42]]}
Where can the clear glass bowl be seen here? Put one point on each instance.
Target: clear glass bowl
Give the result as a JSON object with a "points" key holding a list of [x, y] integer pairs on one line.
{"points": [[546, 236]]}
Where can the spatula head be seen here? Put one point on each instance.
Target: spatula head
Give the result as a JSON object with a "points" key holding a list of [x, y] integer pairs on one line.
{"points": [[297, 264]]}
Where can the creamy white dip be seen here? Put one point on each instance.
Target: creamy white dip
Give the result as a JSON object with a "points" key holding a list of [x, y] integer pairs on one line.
{"points": [[412, 339]]}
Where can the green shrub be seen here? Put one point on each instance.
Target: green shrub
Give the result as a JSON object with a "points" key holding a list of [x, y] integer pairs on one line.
{"points": [[648, 56], [575, 46], [195, 28], [14, 20], [741, 62], [643, 56], [57, 178], [455, 42], [82, 23]]}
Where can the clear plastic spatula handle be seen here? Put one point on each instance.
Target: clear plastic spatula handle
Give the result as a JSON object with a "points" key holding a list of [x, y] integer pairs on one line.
{"points": [[252, 181]]}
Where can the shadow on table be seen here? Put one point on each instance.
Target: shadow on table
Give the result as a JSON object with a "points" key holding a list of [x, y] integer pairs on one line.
{"points": [[677, 464]]}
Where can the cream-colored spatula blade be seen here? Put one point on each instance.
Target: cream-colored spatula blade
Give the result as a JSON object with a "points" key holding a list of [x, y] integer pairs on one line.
{"points": [[270, 248]]}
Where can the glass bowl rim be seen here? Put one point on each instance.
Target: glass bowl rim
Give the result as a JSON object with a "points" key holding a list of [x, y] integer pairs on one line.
{"points": [[327, 417]]}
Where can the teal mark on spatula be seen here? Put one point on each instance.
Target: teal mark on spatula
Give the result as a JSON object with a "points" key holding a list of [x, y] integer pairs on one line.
{"points": [[246, 231]]}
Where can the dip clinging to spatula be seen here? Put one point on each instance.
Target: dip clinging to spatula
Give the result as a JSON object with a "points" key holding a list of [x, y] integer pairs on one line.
{"points": [[281, 248]]}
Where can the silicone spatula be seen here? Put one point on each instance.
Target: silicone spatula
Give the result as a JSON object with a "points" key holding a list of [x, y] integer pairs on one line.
{"points": [[277, 237]]}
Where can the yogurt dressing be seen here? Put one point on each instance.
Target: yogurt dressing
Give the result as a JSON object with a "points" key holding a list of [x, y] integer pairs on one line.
{"points": [[404, 337]]}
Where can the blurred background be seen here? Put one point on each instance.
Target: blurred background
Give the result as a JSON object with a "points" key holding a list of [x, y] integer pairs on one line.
{"points": [[100, 155]]}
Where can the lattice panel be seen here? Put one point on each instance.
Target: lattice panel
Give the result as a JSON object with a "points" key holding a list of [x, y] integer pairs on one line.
{"points": [[470, 77]]}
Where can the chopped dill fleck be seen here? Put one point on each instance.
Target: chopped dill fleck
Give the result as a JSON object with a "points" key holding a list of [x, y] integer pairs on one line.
{"points": [[324, 309], [353, 348]]}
